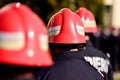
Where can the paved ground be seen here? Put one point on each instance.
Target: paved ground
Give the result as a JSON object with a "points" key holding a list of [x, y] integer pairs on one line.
{"points": [[117, 74]]}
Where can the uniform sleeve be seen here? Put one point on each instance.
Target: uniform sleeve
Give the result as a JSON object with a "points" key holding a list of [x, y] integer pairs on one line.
{"points": [[110, 73], [41, 73]]}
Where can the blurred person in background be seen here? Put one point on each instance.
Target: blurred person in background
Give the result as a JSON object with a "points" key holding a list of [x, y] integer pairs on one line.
{"points": [[119, 50], [67, 41], [96, 58], [114, 48], [105, 42], [96, 38], [23, 43], [110, 43]]}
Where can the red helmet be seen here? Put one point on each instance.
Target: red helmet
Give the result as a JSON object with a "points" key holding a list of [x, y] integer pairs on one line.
{"points": [[23, 37], [88, 20], [66, 27]]}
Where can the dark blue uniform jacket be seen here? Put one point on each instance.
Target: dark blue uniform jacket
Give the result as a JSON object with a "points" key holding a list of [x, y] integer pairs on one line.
{"points": [[98, 60], [69, 66]]}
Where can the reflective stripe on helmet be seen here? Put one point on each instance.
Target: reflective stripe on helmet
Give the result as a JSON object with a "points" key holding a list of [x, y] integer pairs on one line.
{"points": [[80, 30], [12, 41], [43, 42], [54, 30]]}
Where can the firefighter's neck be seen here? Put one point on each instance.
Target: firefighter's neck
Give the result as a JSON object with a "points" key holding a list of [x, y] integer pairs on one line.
{"points": [[59, 50], [26, 75], [74, 49], [87, 37], [18, 76]]}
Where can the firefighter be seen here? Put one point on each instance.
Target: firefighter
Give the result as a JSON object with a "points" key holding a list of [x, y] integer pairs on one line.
{"points": [[23, 43], [96, 58], [66, 41]]}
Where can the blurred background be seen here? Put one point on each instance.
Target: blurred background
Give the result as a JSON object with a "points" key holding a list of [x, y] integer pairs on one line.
{"points": [[107, 15]]}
